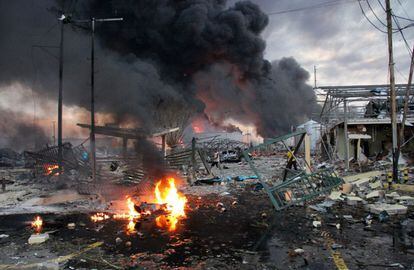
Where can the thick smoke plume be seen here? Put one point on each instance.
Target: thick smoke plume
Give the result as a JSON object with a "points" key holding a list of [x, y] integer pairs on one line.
{"points": [[19, 133], [201, 55]]}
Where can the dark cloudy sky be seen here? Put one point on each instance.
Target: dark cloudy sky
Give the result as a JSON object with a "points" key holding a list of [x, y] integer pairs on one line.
{"points": [[337, 39]]}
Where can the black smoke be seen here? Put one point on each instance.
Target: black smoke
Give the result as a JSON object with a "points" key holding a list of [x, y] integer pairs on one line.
{"points": [[199, 54], [19, 133]]}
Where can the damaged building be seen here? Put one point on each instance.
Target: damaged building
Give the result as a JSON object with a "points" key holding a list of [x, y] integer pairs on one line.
{"points": [[357, 124]]}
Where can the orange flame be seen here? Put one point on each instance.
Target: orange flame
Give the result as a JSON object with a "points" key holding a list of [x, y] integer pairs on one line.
{"points": [[51, 169], [131, 216], [99, 217], [197, 125], [197, 129], [175, 204], [37, 223]]}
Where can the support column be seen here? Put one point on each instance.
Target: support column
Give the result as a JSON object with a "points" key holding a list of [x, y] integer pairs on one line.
{"points": [[307, 153], [358, 151], [346, 139]]}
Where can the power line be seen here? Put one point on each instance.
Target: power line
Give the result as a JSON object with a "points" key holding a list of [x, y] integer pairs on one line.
{"points": [[399, 72], [399, 29], [320, 5], [403, 18], [366, 17], [403, 9], [401, 32], [402, 35], [372, 10], [394, 15]]}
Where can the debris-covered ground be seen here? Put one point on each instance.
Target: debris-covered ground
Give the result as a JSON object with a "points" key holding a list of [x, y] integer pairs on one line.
{"points": [[230, 225]]}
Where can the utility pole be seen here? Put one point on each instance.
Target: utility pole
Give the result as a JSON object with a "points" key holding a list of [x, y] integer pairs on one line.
{"points": [[92, 21], [92, 138], [62, 20], [314, 76], [407, 96], [346, 138], [392, 94], [92, 135]]}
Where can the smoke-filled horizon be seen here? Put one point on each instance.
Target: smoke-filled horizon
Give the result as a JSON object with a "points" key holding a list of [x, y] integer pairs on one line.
{"points": [[200, 55]]}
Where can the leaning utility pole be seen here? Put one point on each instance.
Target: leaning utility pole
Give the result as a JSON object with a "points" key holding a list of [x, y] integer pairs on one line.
{"points": [[406, 100], [392, 94]]}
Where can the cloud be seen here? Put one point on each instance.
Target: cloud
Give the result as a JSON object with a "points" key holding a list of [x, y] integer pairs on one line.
{"points": [[337, 39]]}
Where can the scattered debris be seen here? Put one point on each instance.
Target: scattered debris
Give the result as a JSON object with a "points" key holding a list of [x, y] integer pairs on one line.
{"points": [[317, 224], [353, 200], [391, 209], [38, 238], [299, 251]]}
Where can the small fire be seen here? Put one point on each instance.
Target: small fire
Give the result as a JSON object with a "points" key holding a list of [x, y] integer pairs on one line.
{"points": [[197, 129], [99, 217], [131, 226], [197, 125], [37, 223], [131, 216], [174, 202], [51, 169]]}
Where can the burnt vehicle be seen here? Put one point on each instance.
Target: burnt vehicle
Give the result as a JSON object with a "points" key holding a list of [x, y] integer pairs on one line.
{"points": [[230, 156]]}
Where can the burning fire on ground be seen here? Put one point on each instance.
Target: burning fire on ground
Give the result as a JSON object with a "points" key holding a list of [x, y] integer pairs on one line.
{"points": [[51, 169], [99, 217], [37, 224], [132, 216], [166, 195]]}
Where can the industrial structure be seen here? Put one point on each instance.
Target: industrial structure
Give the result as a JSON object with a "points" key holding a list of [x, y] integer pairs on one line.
{"points": [[356, 121]]}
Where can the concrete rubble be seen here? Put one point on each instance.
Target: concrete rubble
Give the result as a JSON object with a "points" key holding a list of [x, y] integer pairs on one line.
{"points": [[38, 238], [391, 209]]}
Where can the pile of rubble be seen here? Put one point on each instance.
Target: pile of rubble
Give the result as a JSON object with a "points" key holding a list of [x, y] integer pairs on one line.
{"points": [[373, 192]]}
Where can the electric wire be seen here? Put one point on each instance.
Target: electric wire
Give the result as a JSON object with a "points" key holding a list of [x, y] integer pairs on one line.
{"points": [[366, 17], [404, 18], [399, 72], [375, 15], [399, 28], [403, 9], [320, 5]]}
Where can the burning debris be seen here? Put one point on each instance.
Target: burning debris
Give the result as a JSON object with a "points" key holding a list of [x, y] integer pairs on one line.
{"points": [[168, 195], [51, 169], [169, 206], [99, 217], [37, 224]]}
